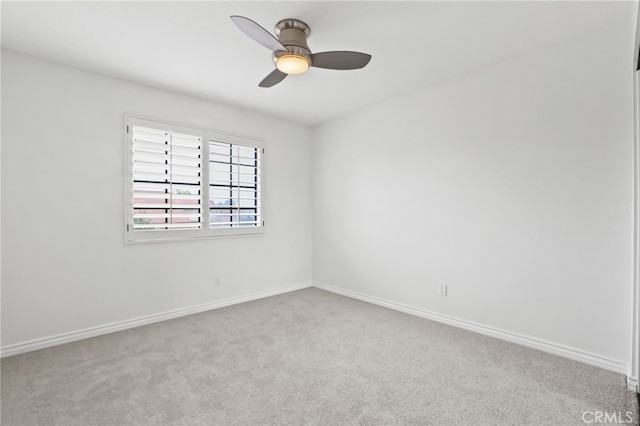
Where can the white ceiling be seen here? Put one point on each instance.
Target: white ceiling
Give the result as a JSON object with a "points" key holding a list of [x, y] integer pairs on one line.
{"points": [[194, 48]]}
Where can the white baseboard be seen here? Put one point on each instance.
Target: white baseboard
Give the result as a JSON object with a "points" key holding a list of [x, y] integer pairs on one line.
{"points": [[552, 348], [632, 384], [60, 339]]}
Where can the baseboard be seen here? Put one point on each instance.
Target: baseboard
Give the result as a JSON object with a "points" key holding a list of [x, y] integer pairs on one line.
{"points": [[60, 339], [632, 384], [552, 348]]}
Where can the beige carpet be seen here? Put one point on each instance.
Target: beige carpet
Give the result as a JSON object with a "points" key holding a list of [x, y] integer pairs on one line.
{"points": [[307, 357]]}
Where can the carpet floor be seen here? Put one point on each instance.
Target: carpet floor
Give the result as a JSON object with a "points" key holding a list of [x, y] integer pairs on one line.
{"points": [[307, 357]]}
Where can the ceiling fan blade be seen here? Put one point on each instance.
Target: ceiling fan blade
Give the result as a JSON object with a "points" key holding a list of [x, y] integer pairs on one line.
{"points": [[275, 77], [257, 33], [340, 60]]}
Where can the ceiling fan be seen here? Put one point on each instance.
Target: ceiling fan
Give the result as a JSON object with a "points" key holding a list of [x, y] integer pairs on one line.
{"points": [[291, 54]]}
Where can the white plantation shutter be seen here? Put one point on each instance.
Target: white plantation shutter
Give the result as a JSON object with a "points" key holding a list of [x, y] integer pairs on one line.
{"points": [[167, 175], [185, 182], [234, 181]]}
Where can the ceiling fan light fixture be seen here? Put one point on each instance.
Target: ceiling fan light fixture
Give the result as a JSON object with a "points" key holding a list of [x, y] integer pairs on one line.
{"points": [[291, 54], [292, 64]]}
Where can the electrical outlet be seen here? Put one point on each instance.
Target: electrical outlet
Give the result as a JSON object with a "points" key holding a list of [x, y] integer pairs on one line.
{"points": [[218, 281], [443, 289]]}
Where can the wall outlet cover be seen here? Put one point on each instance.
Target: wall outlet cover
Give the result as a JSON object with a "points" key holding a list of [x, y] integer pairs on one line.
{"points": [[443, 289]]}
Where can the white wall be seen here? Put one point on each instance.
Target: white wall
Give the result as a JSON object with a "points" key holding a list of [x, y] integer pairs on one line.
{"points": [[512, 185], [65, 266]]}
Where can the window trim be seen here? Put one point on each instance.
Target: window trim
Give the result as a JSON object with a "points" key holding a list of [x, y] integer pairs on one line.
{"points": [[207, 135]]}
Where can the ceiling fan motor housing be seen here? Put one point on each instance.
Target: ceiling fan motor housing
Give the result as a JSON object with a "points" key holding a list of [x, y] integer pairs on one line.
{"points": [[293, 34]]}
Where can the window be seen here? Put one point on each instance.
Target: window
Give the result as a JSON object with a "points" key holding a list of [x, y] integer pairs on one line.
{"points": [[189, 183]]}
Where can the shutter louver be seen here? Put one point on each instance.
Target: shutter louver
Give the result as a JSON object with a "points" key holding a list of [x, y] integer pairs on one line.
{"points": [[167, 174]]}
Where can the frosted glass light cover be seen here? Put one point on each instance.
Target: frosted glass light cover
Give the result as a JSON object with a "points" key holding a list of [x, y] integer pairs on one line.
{"points": [[292, 64]]}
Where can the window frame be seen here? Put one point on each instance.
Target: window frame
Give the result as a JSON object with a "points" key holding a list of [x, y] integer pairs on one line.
{"points": [[207, 136]]}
